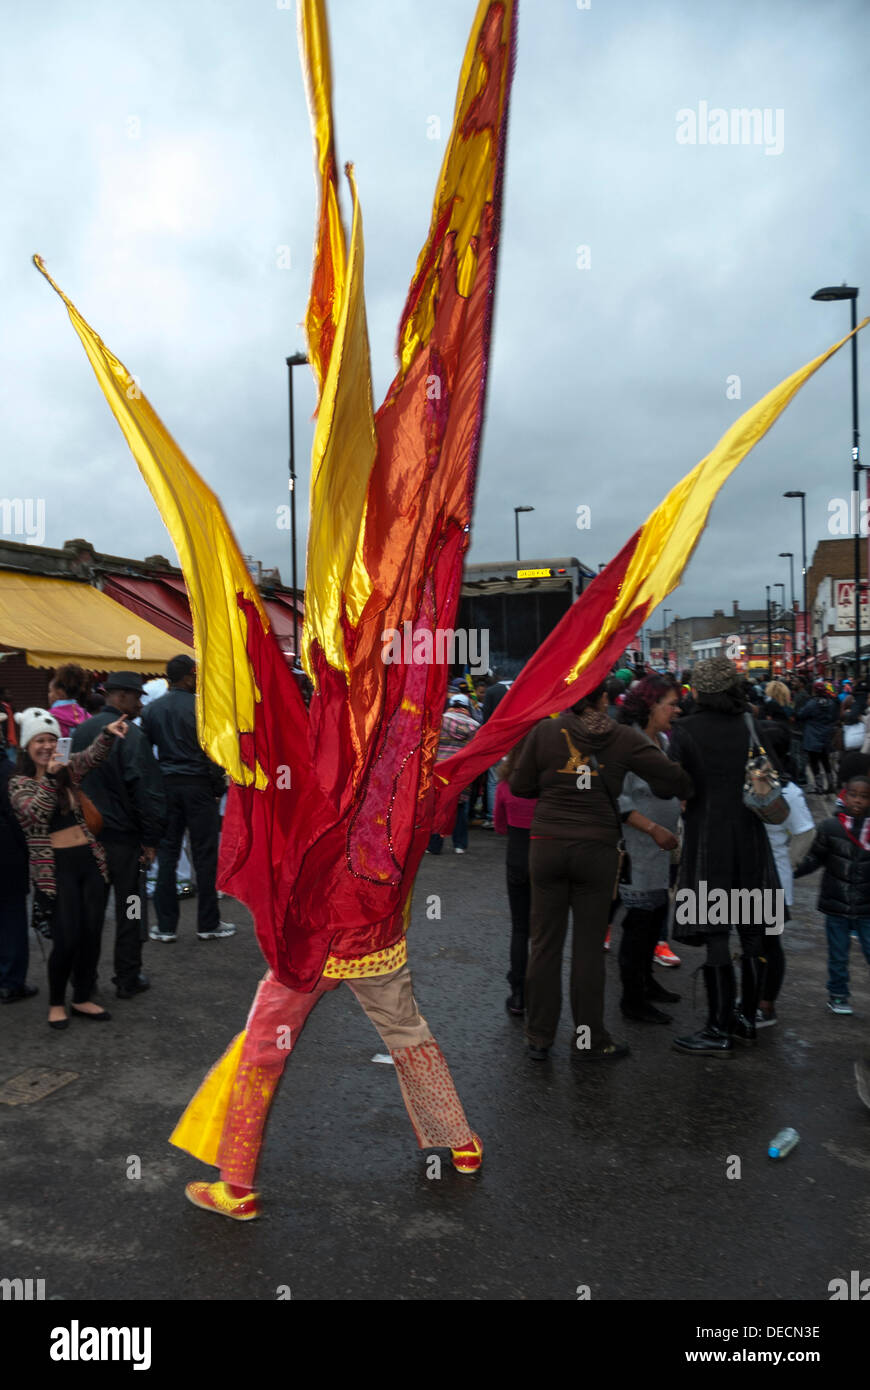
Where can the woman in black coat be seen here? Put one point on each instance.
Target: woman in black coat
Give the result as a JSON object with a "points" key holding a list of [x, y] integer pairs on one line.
{"points": [[725, 848]]}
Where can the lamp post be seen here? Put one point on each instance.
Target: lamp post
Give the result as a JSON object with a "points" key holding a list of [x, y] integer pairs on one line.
{"points": [[517, 511], [782, 603], [850, 292], [297, 359], [769, 637], [665, 612], [806, 634], [788, 555]]}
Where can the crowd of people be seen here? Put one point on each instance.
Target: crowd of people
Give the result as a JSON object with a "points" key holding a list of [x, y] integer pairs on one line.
{"points": [[93, 791], [641, 796], [631, 801]]}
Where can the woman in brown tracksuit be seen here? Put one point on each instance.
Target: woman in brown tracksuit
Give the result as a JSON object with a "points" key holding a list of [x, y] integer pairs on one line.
{"points": [[568, 763]]}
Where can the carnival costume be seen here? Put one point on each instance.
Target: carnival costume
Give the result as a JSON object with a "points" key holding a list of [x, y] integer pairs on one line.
{"points": [[331, 809]]}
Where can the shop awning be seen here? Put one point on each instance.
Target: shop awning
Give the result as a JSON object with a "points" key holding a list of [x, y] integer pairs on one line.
{"points": [[163, 601], [57, 620], [159, 603]]}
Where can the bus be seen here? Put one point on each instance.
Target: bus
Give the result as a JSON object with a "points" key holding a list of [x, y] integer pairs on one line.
{"points": [[517, 604]]}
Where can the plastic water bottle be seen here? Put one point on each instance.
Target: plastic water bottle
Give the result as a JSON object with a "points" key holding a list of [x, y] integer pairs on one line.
{"points": [[783, 1143]]}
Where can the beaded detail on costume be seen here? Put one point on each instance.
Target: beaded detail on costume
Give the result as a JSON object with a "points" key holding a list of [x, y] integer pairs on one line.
{"points": [[377, 963], [245, 1120], [430, 1096]]}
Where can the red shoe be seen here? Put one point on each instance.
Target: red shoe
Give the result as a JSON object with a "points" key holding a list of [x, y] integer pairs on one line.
{"points": [[468, 1159], [216, 1196], [663, 955], [607, 940]]}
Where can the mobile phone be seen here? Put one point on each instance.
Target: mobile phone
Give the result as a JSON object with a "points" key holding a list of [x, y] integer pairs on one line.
{"points": [[62, 750]]}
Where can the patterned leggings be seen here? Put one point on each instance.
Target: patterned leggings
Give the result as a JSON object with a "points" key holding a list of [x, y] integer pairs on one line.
{"points": [[277, 1018]]}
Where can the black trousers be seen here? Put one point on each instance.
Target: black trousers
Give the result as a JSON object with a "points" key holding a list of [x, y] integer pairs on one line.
{"points": [[191, 805], [641, 931], [817, 760], [131, 906], [14, 945], [76, 924], [578, 875], [519, 890]]}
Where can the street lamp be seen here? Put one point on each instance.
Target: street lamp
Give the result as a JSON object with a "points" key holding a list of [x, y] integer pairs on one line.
{"points": [[806, 634], [769, 637], [665, 612], [517, 511], [788, 555], [298, 359], [782, 603], [850, 292]]}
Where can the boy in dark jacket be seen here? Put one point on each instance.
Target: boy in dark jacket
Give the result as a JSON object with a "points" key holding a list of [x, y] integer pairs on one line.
{"points": [[842, 846]]}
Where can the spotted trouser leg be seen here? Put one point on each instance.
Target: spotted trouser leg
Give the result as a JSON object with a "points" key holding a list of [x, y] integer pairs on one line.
{"points": [[427, 1087]]}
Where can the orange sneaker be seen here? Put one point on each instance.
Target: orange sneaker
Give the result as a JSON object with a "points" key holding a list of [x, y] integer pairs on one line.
{"points": [[664, 955], [469, 1158], [216, 1196], [607, 940]]}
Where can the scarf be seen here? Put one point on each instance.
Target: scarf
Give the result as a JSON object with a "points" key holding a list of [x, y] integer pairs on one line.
{"points": [[848, 824]]}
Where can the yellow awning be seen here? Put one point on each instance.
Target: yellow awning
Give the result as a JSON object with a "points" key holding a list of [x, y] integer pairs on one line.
{"points": [[58, 620]]}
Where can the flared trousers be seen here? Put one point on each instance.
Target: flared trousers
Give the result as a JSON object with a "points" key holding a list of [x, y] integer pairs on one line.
{"points": [[274, 1024]]}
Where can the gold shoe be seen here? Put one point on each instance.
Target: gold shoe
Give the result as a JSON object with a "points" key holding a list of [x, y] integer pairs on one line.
{"points": [[216, 1196]]}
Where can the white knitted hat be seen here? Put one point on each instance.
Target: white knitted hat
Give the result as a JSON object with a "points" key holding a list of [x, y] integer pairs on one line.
{"points": [[35, 721]]}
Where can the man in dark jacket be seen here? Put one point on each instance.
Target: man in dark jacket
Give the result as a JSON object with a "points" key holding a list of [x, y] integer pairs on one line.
{"points": [[575, 765], [127, 790], [14, 884], [819, 717], [193, 784]]}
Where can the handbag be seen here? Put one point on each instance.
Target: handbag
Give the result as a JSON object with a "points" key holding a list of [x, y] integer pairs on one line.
{"points": [[93, 819], [770, 806], [623, 873], [853, 735]]}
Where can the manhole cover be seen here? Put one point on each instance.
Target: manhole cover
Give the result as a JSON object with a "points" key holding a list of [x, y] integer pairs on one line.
{"points": [[34, 1084]]}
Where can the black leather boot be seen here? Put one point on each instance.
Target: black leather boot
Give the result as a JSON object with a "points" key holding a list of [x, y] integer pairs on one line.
{"points": [[714, 1039], [742, 1023]]}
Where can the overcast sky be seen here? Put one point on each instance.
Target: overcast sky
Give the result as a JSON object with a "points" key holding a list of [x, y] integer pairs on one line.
{"points": [[159, 156]]}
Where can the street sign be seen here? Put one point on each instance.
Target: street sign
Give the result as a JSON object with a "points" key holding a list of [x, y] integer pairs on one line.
{"points": [[846, 605]]}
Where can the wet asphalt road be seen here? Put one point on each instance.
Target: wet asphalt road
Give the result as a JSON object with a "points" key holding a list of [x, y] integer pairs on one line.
{"points": [[614, 1177]]}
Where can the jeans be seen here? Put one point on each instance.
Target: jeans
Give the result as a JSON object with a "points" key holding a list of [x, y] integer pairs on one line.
{"points": [[459, 833], [839, 930], [491, 784], [460, 826]]}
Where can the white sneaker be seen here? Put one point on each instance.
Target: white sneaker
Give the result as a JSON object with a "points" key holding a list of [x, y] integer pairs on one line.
{"points": [[458, 851], [223, 929], [763, 1020], [156, 935]]}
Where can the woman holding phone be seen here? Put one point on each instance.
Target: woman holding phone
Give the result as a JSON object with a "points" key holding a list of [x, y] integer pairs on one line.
{"points": [[67, 865]]}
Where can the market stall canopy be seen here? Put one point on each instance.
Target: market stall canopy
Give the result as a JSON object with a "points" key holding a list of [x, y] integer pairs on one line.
{"points": [[58, 620], [163, 601], [154, 600]]}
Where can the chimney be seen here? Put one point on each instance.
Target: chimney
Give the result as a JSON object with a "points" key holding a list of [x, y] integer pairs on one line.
{"points": [[736, 603]]}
